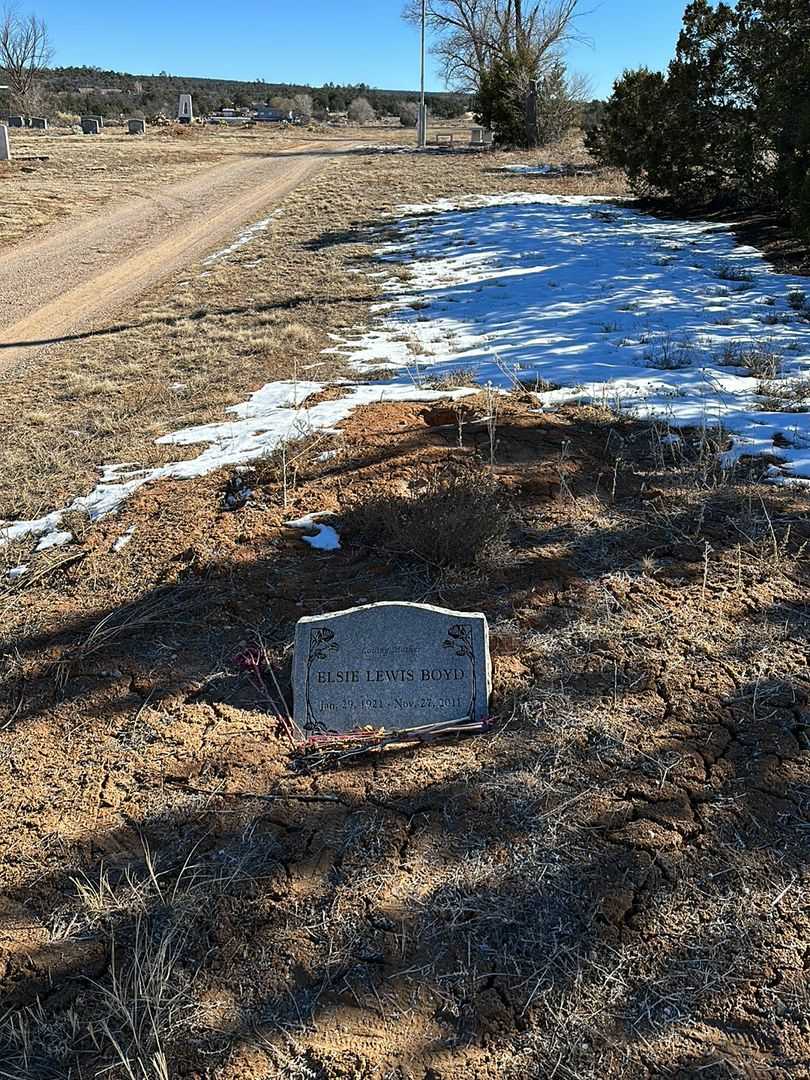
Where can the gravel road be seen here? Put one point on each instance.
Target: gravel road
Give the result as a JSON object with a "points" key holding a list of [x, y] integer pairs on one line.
{"points": [[76, 278]]}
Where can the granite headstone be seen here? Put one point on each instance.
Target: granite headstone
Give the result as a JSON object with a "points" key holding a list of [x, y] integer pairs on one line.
{"points": [[5, 148], [390, 665]]}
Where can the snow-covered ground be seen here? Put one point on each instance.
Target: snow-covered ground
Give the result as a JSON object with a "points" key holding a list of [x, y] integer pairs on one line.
{"points": [[607, 305], [545, 170], [274, 414], [604, 303]]}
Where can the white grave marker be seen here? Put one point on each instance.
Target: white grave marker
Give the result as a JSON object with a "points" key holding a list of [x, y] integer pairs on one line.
{"points": [[390, 665], [185, 112]]}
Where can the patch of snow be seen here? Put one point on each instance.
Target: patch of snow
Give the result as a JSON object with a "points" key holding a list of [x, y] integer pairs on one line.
{"points": [[275, 414], [17, 571], [598, 299], [124, 539], [308, 521], [244, 238], [538, 170], [602, 301], [54, 539], [391, 148], [325, 538]]}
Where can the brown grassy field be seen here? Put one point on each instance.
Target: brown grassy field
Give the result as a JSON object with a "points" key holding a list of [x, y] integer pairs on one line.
{"points": [[611, 885], [56, 175]]}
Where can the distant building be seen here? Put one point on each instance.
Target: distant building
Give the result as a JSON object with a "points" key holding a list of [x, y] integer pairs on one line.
{"points": [[274, 116]]}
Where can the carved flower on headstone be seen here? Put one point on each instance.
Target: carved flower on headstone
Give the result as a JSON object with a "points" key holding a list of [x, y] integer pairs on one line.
{"points": [[321, 644], [459, 640]]}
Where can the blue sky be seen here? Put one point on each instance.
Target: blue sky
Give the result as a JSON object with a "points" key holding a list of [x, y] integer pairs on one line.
{"points": [[317, 41]]}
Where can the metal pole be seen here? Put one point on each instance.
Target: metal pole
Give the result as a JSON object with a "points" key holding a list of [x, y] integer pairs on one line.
{"points": [[422, 133]]}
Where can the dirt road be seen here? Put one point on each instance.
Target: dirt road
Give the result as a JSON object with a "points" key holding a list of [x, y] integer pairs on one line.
{"points": [[75, 278]]}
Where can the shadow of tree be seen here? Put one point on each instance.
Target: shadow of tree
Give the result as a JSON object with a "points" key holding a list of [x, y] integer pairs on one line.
{"points": [[610, 885]]}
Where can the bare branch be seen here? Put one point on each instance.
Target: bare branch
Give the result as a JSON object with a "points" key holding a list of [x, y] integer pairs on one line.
{"points": [[25, 52], [471, 34]]}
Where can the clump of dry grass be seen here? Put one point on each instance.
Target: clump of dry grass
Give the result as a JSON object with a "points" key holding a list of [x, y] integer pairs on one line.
{"points": [[535, 383], [183, 131], [451, 519], [785, 395], [734, 273], [294, 459], [450, 380], [162, 608], [759, 358], [668, 353], [145, 1005], [38, 1041], [797, 300]]}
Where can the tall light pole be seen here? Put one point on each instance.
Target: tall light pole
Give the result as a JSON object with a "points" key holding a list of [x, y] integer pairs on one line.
{"points": [[422, 125]]}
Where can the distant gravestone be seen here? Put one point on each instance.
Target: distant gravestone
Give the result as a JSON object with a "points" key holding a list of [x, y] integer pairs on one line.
{"points": [[136, 127], [5, 147], [16, 121], [90, 126], [185, 112], [39, 123], [391, 665]]}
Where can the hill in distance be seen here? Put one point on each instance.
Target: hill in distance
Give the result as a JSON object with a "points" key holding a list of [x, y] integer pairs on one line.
{"points": [[110, 93]]}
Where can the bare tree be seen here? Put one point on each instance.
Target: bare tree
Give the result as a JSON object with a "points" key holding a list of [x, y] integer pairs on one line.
{"points": [[464, 33], [302, 107], [25, 52], [408, 112], [361, 112], [473, 38]]}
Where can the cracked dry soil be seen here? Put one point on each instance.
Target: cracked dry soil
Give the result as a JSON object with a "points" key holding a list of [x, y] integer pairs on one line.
{"points": [[612, 885]]}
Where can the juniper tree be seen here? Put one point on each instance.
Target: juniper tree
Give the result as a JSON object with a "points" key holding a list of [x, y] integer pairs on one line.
{"points": [[730, 120]]}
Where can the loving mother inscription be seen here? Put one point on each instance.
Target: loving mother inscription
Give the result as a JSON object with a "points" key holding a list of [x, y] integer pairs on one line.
{"points": [[390, 665]]}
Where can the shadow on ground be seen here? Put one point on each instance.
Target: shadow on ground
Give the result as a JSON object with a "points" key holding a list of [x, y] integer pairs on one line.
{"points": [[610, 885]]}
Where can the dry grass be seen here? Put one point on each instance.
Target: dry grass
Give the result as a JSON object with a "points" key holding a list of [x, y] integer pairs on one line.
{"points": [[670, 353], [35, 193], [785, 395], [160, 609], [598, 890], [450, 518], [759, 358]]}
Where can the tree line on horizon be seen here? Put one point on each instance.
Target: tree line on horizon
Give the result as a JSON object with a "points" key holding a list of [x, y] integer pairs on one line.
{"points": [[502, 58], [80, 90]]}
